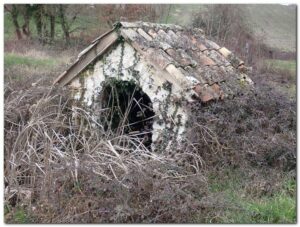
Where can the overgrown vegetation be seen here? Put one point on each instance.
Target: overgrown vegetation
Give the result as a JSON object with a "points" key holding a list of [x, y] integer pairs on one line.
{"points": [[238, 164], [245, 158]]}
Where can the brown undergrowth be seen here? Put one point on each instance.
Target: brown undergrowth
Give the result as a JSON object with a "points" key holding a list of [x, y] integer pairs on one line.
{"points": [[61, 172], [57, 171], [256, 129]]}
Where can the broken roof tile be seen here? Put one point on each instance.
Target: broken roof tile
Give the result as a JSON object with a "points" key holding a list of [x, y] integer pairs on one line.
{"points": [[236, 62], [185, 42], [198, 31], [200, 46]]}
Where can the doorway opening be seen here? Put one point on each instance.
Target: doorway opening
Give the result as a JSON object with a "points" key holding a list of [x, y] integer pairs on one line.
{"points": [[129, 110]]}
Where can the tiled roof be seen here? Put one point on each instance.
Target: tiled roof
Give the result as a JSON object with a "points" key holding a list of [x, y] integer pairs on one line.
{"points": [[186, 54], [214, 70]]}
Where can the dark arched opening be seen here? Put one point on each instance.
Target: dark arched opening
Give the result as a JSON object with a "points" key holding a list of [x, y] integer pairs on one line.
{"points": [[129, 109]]}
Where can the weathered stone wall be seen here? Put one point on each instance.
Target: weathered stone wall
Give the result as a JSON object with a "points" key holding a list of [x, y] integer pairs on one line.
{"points": [[124, 63]]}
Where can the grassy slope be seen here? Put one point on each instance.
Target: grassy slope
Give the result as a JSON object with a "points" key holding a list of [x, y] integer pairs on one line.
{"points": [[290, 66], [287, 70], [256, 204], [11, 59], [276, 22], [182, 14]]}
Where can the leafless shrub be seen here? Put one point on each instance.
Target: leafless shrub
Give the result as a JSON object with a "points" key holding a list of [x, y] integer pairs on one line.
{"points": [[62, 172], [257, 129], [84, 174], [225, 24]]}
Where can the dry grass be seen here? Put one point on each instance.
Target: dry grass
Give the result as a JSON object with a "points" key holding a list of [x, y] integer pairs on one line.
{"points": [[55, 166], [57, 171]]}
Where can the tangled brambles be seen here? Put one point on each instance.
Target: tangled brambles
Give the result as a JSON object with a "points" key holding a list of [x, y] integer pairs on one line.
{"points": [[74, 173], [59, 171], [257, 129]]}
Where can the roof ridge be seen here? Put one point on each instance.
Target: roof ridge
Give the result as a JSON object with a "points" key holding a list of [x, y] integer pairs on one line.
{"points": [[139, 24], [169, 48]]}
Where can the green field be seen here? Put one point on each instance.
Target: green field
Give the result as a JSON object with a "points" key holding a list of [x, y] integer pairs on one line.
{"points": [[277, 208], [286, 65], [11, 59]]}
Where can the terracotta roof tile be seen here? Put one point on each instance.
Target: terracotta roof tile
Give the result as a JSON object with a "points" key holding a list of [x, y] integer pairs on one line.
{"points": [[225, 52], [152, 33], [144, 34], [191, 71], [212, 45], [159, 58], [217, 57], [205, 60], [200, 58], [181, 57], [208, 93], [187, 55]]}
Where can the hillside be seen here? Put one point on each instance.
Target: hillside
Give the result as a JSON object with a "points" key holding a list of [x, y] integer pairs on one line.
{"points": [[277, 23]]}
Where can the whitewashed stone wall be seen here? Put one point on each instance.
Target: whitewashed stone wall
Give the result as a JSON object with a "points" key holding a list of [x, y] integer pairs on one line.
{"points": [[126, 64]]}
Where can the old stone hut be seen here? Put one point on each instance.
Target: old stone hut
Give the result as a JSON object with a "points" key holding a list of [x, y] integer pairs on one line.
{"points": [[152, 70]]}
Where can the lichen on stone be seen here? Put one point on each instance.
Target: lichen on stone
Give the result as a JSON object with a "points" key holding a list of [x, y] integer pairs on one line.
{"points": [[123, 63]]}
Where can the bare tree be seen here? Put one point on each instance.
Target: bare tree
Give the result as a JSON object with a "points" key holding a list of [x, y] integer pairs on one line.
{"points": [[68, 16], [52, 14], [226, 25]]}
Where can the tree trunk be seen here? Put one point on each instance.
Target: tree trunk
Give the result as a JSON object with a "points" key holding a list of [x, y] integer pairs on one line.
{"points": [[25, 27], [52, 27], [64, 24], [38, 21], [15, 14]]}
